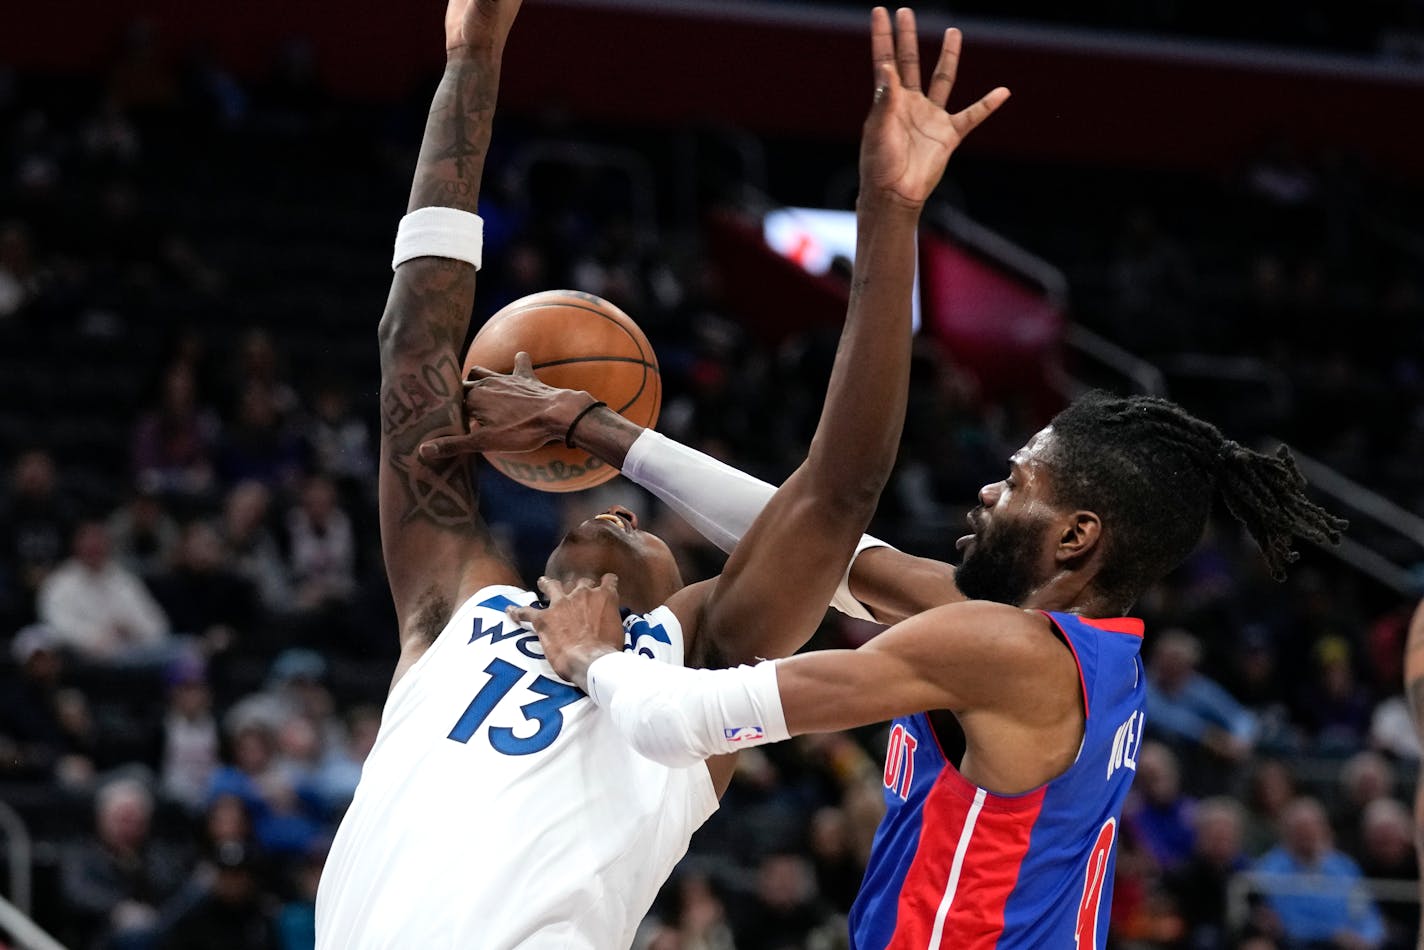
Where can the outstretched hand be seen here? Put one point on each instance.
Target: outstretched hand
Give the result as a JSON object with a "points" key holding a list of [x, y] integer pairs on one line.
{"points": [[909, 135], [479, 25], [509, 412], [580, 624]]}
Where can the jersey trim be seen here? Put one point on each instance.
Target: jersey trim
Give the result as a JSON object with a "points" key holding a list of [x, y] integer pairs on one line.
{"points": [[937, 934], [1077, 661], [1130, 625]]}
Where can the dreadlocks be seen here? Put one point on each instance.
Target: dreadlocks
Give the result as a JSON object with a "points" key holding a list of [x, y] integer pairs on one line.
{"points": [[1151, 471]]}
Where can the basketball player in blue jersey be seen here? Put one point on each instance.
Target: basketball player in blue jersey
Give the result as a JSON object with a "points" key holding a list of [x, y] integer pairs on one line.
{"points": [[1025, 649], [499, 807]]}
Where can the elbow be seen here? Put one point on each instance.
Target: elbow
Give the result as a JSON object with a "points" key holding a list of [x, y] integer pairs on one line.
{"points": [[849, 499], [394, 333], [851, 479]]}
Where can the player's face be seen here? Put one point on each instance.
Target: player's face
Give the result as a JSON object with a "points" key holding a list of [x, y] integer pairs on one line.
{"points": [[1009, 555], [611, 543]]}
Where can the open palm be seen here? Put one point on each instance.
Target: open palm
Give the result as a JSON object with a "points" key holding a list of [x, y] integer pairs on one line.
{"points": [[909, 135]]}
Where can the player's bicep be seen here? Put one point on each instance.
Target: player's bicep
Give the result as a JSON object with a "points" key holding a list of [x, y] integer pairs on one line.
{"points": [[957, 657]]}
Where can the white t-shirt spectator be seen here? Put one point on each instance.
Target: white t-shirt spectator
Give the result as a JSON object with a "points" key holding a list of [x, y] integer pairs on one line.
{"points": [[101, 614]]}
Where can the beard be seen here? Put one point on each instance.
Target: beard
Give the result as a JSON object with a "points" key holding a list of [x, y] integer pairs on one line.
{"points": [[1000, 564]]}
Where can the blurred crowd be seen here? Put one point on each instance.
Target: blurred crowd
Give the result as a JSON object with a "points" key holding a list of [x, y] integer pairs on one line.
{"points": [[197, 635]]}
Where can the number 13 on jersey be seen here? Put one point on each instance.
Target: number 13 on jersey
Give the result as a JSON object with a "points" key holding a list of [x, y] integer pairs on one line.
{"points": [[546, 712]]}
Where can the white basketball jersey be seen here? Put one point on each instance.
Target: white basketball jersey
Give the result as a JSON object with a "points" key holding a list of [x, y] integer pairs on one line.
{"points": [[500, 808]]}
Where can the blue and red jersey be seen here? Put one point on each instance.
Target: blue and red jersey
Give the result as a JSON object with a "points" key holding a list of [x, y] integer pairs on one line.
{"points": [[958, 867]]}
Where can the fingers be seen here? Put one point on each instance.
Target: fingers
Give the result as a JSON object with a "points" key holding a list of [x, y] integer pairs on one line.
{"points": [[609, 583], [907, 48], [966, 121], [946, 69], [553, 589], [882, 41], [450, 446], [887, 85], [523, 365], [478, 373], [525, 615]]}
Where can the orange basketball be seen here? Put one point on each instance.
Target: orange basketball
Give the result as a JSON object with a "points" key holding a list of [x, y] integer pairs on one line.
{"points": [[575, 341]]}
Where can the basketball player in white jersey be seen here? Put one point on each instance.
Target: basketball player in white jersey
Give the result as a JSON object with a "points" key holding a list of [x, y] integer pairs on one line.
{"points": [[498, 807]]}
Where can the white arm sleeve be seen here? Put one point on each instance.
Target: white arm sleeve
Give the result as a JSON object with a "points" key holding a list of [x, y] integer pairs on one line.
{"points": [[678, 717], [716, 499]]}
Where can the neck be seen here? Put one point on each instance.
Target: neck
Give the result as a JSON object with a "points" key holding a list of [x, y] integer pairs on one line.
{"points": [[1072, 591]]}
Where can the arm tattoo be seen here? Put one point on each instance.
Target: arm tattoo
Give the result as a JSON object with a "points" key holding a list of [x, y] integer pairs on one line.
{"points": [[456, 137], [416, 406]]}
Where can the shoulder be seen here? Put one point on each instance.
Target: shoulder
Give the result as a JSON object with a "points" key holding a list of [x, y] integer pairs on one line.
{"points": [[989, 655], [976, 631]]}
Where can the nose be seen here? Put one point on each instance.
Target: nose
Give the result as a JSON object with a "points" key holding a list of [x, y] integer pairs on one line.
{"points": [[625, 514], [989, 494]]}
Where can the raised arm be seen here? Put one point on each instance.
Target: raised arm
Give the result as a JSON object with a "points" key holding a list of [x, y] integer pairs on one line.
{"points": [[435, 545], [773, 591], [792, 547]]}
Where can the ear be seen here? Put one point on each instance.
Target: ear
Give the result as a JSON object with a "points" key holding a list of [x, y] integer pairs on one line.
{"points": [[1080, 536]]}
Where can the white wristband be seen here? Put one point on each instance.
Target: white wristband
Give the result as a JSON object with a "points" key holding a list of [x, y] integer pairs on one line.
{"points": [[679, 717], [440, 232]]}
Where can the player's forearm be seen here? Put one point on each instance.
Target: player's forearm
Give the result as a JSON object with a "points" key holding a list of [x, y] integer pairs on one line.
{"points": [[602, 432], [428, 310], [457, 133], [858, 434]]}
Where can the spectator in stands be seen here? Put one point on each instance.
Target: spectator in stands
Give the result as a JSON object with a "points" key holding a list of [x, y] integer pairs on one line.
{"points": [[201, 594], [1330, 910], [838, 869], [258, 446], [35, 522], [46, 731], [1336, 705], [1272, 789], [1157, 810], [231, 912], [296, 920], [1366, 777], [338, 441], [1199, 886], [700, 918], [340, 771], [173, 443], [190, 735], [115, 883], [1387, 853], [252, 549], [1187, 709], [101, 611], [20, 276], [784, 909], [143, 534], [322, 546], [284, 824], [259, 368]]}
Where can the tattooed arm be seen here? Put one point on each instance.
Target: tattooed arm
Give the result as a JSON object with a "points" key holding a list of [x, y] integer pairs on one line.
{"points": [[437, 550], [1414, 694]]}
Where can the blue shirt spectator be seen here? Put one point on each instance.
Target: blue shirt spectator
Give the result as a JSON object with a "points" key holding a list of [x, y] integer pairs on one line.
{"points": [[1185, 706], [1329, 905]]}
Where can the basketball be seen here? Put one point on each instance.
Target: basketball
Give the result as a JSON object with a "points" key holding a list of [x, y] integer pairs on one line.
{"points": [[575, 341]]}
